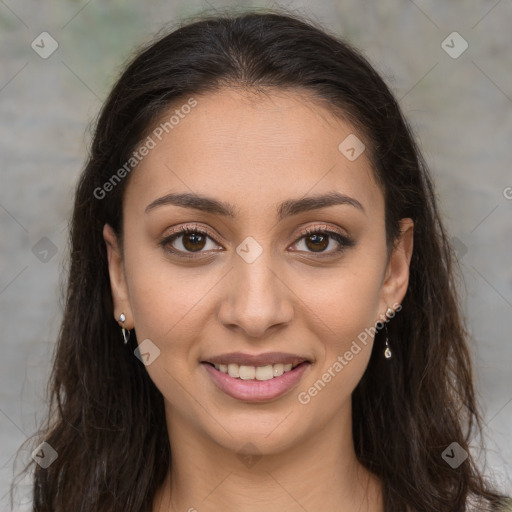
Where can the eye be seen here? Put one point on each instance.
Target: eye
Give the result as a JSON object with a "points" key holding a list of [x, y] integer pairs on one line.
{"points": [[317, 240], [190, 240]]}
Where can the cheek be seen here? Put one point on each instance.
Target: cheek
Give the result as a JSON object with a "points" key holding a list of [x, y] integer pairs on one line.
{"points": [[162, 294], [165, 302], [346, 301], [171, 305], [346, 307]]}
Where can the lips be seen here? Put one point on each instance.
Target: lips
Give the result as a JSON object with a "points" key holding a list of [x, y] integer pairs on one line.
{"points": [[256, 378]]}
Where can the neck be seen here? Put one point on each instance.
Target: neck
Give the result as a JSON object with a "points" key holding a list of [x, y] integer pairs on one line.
{"points": [[320, 472]]}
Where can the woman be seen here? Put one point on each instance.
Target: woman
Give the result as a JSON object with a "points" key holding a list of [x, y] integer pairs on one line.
{"points": [[261, 311]]}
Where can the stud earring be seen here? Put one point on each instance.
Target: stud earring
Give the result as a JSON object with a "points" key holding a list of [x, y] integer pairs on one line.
{"points": [[124, 332]]}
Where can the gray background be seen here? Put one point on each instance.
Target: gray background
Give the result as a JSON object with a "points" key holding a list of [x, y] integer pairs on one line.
{"points": [[460, 109]]}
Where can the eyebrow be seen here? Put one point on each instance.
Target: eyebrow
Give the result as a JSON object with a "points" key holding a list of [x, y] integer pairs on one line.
{"points": [[285, 209]]}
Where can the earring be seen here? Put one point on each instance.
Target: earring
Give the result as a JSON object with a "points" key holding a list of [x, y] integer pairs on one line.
{"points": [[387, 350], [124, 332], [390, 313]]}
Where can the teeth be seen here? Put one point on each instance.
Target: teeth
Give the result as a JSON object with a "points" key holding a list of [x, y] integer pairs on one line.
{"points": [[233, 370], [247, 372], [254, 372], [264, 372], [278, 369]]}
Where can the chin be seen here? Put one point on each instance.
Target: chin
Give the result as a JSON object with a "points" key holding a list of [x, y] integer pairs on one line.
{"points": [[264, 435]]}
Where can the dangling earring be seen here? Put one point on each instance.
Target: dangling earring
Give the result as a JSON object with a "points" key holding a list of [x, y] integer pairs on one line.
{"points": [[387, 351], [124, 332]]}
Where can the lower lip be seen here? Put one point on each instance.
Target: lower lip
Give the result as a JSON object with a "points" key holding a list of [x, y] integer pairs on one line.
{"points": [[256, 390]]}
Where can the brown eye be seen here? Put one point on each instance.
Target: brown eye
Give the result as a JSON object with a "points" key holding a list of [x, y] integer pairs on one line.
{"points": [[187, 241], [193, 241], [317, 242]]}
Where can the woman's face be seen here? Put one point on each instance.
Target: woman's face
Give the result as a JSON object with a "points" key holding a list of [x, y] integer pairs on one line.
{"points": [[248, 280]]}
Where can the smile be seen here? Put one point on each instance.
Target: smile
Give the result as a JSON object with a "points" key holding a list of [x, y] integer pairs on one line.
{"points": [[256, 383]]}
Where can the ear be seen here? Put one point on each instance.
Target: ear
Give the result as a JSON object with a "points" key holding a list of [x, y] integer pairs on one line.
{"points": [[396, 278], [118, 284]]}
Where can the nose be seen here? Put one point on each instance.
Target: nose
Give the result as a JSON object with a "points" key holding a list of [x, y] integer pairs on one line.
{"points": [[256, 299]]}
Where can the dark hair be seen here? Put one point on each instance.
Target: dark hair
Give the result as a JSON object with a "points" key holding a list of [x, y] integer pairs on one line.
{"points": [[106, 418]]}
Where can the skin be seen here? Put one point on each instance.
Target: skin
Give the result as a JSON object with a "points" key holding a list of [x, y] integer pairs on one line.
{"points": [[255, 152]]}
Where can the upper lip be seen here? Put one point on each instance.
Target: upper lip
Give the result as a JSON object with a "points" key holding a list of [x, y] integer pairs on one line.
{"points": [[256, 359]]}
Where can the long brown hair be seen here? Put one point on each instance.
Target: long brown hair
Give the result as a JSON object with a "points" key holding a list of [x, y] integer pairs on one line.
{"points": [[106, 418]]}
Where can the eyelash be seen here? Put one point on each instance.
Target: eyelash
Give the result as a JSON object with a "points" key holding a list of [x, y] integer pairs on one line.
{"points": [[343, 240]]}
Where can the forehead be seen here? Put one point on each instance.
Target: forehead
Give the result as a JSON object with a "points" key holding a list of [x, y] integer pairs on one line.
{"points": [[252, 147]]}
